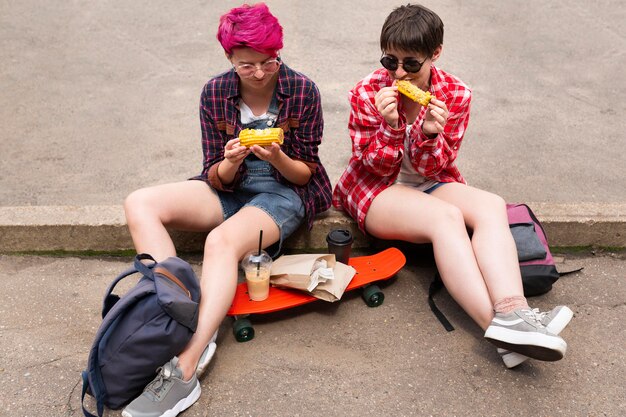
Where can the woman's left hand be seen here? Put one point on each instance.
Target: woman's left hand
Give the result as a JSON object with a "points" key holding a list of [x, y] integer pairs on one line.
{"points": [[436, 117], [269, 153]]}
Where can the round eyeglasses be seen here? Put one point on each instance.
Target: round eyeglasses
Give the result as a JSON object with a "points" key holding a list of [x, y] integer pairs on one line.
{"points": [[248, 70]]}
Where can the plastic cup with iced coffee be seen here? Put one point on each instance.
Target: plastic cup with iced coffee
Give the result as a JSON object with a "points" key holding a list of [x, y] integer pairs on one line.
{"points": [[256, 266]]}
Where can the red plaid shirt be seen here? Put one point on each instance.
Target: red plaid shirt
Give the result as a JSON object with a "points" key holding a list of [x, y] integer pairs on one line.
{"points": [[378, 148], [299, 115]]}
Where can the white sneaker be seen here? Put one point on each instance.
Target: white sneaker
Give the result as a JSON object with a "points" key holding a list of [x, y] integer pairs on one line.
{"points": [[206, 356], [555, 321]]}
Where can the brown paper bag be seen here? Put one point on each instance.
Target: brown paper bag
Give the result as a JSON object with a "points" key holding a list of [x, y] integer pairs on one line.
{"points": [[294, 271]]}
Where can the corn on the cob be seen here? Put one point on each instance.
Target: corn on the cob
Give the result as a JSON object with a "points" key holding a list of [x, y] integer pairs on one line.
{"points": [[261, 137], [414, 93]]}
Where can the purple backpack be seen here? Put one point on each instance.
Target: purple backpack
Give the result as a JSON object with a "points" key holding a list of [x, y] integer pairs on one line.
{"points": [[535, 260], [141, 330]]}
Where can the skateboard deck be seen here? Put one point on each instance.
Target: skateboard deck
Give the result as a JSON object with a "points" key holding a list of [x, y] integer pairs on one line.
{"points": [[369, 269]]}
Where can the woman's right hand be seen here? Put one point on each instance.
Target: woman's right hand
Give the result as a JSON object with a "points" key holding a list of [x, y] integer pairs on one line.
{"points": [[234, 152], [386, 101]]}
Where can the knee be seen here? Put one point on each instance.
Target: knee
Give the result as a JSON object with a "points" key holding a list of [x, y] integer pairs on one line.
{"points": [[493, 210], [495, 203], [452, 215], [448, 218], [138, 206], [219, 242]]}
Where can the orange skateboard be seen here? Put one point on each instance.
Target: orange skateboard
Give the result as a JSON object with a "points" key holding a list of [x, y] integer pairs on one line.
{"points": [[369, 269]]}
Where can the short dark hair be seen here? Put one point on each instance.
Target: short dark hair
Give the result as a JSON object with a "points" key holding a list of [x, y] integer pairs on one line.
{"points": [[412, 28]]}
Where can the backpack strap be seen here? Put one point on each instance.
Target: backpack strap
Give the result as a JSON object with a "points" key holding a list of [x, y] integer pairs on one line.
{"points": [[99, 405], [562, 274], [167, 274], [150, 270], [143, 268], [435, 286], [95, 383], [109, 298]]}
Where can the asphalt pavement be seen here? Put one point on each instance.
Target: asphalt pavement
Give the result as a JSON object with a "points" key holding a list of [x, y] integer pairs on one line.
{"points": [[101, 98], [323, 359], [98, 99]]}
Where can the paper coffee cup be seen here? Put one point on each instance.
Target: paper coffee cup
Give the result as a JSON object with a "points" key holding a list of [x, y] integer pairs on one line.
{"points": [[340, 243]]}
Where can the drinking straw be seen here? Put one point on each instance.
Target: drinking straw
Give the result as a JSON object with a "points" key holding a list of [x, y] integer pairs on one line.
{"points": [[258, 264]]}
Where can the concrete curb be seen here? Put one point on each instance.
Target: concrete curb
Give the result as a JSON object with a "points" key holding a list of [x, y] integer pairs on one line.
{"points": [[103, 228]]}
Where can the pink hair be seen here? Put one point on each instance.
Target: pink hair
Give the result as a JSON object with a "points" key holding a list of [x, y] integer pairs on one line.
{"points": [[250, 26]]}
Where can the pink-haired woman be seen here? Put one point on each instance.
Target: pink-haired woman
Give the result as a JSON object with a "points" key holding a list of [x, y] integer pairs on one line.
{"points": [[240, 190]]}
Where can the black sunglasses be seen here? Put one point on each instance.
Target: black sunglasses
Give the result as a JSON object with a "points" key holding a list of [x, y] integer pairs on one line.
{"points": [[410, 64]]}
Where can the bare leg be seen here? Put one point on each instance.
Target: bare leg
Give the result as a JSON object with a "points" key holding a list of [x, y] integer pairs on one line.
{"points": [[493, 244], [224, 246], [424, 218], [489, 278], [193, 206], [188, 205]]}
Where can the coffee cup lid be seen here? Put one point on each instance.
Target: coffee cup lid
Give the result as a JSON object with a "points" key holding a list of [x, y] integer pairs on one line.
{"points": [[339, 237]]}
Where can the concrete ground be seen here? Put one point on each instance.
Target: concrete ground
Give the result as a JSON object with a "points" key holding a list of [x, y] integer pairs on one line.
{"points": [[341, 359], [98, 99]]}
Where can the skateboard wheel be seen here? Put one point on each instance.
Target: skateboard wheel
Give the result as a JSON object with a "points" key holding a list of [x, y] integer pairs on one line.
{"points": [[373, 296], [243, 330]]}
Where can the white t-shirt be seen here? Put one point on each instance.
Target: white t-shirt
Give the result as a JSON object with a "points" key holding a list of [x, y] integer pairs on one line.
{"points": [[408, 175], [248, 117]]}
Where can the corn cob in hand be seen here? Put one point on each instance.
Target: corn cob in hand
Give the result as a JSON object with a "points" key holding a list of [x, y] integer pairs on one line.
{"points": [[261, 137], [414, 93]]}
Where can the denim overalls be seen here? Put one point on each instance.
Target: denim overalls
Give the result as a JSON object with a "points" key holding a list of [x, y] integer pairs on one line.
{"points": [[260, 189]]}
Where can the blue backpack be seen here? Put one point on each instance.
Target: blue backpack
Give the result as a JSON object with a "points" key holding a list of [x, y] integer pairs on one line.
{"points": [[141, 331]]}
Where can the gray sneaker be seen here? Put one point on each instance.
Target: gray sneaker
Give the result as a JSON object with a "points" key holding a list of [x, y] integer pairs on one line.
{"points": [[206, 357], [555, 321], [522, 332], [166, 396]]}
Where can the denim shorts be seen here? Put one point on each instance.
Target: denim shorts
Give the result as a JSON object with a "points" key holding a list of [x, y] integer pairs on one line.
{"points": [[260, 189], [434, 187]]}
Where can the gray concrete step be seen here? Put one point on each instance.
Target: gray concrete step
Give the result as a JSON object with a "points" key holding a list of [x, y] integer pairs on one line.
{"points": [[103, 228]]}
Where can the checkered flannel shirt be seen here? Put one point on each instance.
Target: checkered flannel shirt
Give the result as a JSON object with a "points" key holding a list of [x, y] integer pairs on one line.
{"points": [[299, 115], [378, 148]]}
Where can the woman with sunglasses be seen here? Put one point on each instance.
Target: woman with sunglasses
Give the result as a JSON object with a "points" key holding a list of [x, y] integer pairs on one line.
{"points": [[402, 183], [240, 190]]}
